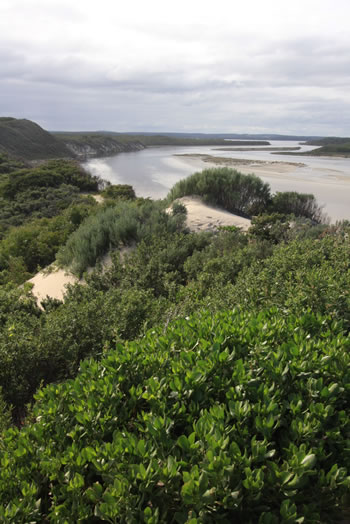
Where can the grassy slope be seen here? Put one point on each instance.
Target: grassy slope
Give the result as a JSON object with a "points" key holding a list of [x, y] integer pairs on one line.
{"points": [[25, 139]]}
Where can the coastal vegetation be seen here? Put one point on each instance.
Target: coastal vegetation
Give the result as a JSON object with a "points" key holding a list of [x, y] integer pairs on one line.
{"points": [[201, 377], [39, 208], [338, 149]]}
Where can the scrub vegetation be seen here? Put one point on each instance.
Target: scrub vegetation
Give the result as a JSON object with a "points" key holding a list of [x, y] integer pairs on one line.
{"points": [[201, 378]]}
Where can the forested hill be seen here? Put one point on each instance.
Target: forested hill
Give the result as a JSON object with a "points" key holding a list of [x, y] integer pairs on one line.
{"points": [[25, 139]]}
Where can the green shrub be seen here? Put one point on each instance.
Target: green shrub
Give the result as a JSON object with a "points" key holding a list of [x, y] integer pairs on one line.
{"points": [[228, 418], [5, 415], [119, 192], [298, 204], [51, 174], [244, 195], [273, 228], [112, 227], [306, 273]]}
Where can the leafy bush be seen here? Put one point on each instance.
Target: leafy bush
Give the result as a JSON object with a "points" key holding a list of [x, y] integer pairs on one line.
{"points": [[306, 273], [244, 195], [5, 415], [226, 418]]}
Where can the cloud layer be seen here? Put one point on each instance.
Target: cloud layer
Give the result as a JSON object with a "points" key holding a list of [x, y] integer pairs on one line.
{"points": [[259, 67]]}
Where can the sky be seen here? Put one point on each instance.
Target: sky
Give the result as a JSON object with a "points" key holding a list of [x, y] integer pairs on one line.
{"points": [[253, 66]]}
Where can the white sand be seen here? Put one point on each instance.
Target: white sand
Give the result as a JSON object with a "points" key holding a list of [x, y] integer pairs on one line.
{"points": [[259, 167], [51, 282], [201, 217]]}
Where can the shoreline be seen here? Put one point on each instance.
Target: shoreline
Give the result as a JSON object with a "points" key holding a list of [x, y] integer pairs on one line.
{"points": [[227, 161]]}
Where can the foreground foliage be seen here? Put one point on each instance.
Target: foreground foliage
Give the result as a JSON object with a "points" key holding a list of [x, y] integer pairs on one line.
{"points": [[232, 417], [228, 417]]}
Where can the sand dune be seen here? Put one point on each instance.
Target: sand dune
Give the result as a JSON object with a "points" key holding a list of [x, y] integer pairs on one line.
{"points": [[201, 217], [52, 282]]}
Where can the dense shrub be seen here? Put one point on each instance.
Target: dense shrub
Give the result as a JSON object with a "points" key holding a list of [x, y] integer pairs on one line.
{"points": [[7, 164], [226, 418], [39, 203], [51, 174], [34, 245], [244, 195], [119, 192], [297, 204], [5, 415], [273, 228], [309, 273], [112, 227]]}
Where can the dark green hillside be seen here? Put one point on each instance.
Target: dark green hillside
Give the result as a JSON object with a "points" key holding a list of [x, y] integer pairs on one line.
{"points": [[25, 139]]}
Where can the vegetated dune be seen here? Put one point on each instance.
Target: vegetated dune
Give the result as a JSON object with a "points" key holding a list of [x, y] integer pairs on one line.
{"points": [[52, 282]]}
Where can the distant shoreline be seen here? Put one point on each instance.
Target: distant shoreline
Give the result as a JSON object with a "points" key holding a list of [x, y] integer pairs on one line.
{"points": [[231, 162], [296, 148]]}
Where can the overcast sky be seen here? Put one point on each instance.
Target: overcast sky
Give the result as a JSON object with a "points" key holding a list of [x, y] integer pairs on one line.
{"points": [[250, 66]]}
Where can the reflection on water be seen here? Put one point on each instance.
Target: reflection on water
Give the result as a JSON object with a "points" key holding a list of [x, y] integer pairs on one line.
{"points": [[153, 171]]}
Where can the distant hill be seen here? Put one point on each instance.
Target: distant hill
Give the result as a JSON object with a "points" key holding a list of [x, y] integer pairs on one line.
{"points": [[216, 136], [330, 146], [329, 140], [89, 145], [105, 143], [25, 139]]}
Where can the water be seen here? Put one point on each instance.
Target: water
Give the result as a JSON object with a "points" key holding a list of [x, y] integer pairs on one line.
{"points": [[153, 171]]}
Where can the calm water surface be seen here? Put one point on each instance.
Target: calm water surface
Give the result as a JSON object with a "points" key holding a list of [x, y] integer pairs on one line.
{"points": [[153, 171]]}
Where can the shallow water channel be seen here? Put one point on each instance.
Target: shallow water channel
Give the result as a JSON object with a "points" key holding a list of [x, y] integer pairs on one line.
{"points": [[153, 171]]}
